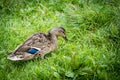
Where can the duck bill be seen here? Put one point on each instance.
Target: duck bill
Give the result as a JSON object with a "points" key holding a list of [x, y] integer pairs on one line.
{"points": [[65, 38]]}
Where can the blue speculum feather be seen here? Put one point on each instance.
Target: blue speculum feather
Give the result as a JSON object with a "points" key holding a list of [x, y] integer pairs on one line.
{"points": [[32, 51]]}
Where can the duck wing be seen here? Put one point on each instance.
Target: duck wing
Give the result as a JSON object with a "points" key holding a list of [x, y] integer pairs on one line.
{"points": [[36, 40]]}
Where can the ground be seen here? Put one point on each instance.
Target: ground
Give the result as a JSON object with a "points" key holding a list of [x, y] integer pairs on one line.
{"points": [[93, 30]]}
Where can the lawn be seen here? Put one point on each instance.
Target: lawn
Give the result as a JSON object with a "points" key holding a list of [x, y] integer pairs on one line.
{"points": [[93, 30]]}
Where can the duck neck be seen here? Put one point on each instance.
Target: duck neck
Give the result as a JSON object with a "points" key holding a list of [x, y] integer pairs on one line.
{"points": [[53, 38]]}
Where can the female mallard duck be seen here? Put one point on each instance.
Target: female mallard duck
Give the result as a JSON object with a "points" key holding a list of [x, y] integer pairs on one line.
{"points": [[38, 44]]}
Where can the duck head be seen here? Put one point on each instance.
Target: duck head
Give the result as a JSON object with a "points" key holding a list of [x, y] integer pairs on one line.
{"points": [[58, 31]]}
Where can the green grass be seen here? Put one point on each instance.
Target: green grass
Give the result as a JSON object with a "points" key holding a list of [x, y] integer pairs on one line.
{"points": [[93, 30]]}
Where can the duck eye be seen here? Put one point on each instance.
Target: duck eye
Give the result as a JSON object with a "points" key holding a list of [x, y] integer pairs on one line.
{"points": [[61, 31]]}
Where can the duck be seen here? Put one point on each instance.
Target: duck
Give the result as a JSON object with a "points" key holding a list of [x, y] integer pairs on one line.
{"points": [[38, 45]]}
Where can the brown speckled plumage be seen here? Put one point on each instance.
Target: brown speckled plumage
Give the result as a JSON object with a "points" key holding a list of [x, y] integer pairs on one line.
{"points": [[45, 42]]}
